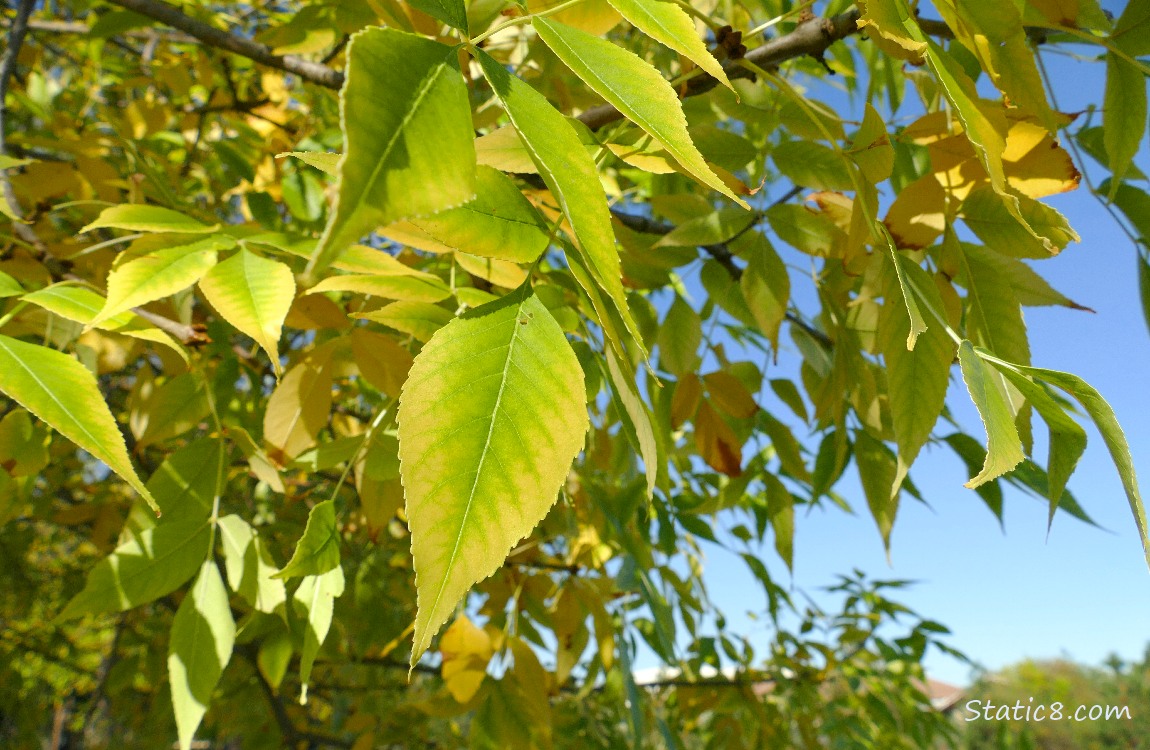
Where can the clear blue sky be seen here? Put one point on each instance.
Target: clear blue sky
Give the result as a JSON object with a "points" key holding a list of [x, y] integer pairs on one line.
{"points": [[1083, 592]]}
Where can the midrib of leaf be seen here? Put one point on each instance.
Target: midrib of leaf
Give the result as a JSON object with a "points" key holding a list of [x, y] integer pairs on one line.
{"points": [[425, 86], [251, 297], [482, 458], [51, 395]]}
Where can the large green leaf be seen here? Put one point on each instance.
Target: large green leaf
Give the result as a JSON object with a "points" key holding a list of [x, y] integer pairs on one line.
{"points": [[1124, 114], [1132, 30], [64, 394], [409, 149], [203, 634], [160, 273], [988, 392], [152, 563], [316, 597], [9, 287], [570, 174], [145, 218], [917, 379], [254, 295], [499, 223], [451, 12], [490, 419], [670, 25], [317, 551], [636, 89]]}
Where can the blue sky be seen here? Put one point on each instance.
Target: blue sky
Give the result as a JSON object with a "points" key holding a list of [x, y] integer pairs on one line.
{"points": [[1083, 592]]}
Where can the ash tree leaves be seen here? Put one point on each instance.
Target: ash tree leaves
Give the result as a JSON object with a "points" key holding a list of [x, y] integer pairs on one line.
{"points": [[409, 148], [988, 392], [490, 419]]}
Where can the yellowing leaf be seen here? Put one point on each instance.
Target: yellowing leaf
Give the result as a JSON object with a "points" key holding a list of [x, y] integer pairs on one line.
{"points": [[596, 17], [679, 338], [254, 294], [64, 394], [499, 272], [23, 445], [504, 150], [878, 470], [636, 89], [886, 23], [490, 419], [670, 25], [158, 274], [383, 362], [991, 219], [144, 218], [498, 223], [419, 319], [570, 174], [988, 392], [299, 406], [414, 288], [203, 634], [918, 215], [729, 394], [408, 145], [716, 442], [466, 650]]}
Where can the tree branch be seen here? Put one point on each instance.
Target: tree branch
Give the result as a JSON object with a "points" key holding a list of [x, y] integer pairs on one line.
{"points": [[213, 37]]}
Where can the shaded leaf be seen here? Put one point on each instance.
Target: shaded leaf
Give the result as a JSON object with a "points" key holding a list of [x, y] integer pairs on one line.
{"points": [[317, 551], [314, 602]]}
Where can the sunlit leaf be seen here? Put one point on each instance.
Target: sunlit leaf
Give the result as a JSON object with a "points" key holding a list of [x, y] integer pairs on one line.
{"points": [[250, 570], [408, 144], [203, 634], [314, 604], [254, 294], [64, 394], [146, 218], [670, 25], [988, 392], [490, 419]]}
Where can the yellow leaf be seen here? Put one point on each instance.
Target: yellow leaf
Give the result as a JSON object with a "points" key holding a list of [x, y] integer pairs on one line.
{"points": [[716, 442], [466, 650], [381, 361], [299, 406]]}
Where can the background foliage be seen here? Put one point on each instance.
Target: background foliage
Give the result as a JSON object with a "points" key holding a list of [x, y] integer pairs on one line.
{"points": [[268, 485]]}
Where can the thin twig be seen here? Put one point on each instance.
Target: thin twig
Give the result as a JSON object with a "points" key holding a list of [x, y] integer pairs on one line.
{"points": [[213, 37]]}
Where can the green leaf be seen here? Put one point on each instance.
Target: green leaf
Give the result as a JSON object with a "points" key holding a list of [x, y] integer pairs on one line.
{"points": [[636, 89], [995, 224], [251, 572], [878, 468], [23, 445], [254, 295], [781, 510], [1123, 113], [64, 394], [490, 419], [766, 285], [419, 319], [143, 218], [184, 486], [679, 338], [671, 26], [570, 175], [409, 149], [203, 634], [916, 326], [179, 405], [9, 287], [714, 228], [917, 379], [317, 551], [1144, 287], [451, 12], [813, 165], [1067, 438], [1132, 31], [988, 392], [159, 273], [1030, 289], [152, 563], [314, 602], [499, 223], [805, 230], [1107, 424], [638, 419]]}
